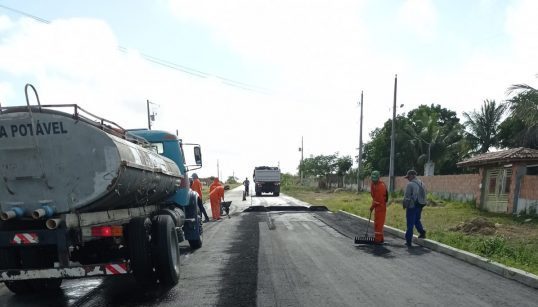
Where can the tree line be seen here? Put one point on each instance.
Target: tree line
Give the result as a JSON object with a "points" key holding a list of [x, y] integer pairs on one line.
{"points": [[436, 134]]}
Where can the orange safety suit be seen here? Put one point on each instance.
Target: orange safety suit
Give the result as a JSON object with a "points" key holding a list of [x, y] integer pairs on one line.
{"points": [[214, 197], [379, 193], [197, 187], [215, 184]]}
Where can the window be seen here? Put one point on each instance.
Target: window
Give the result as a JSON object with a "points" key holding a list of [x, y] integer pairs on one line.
{"points": [[158, 148], [532, 170], [492, 185]]}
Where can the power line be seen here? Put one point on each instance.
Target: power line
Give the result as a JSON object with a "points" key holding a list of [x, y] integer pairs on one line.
{"points": [[25, 14], [166, 63]]}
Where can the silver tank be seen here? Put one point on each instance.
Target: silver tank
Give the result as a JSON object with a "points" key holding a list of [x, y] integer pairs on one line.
{"points": [[73, 165]]}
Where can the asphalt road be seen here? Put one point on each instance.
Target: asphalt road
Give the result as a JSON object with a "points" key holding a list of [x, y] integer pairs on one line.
{"points": [[287, 258]]}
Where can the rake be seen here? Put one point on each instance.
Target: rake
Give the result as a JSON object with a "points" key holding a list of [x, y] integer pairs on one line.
{"points": [[366, 239]]}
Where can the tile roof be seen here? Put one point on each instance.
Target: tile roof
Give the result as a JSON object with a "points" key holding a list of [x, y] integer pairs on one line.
{"points": [[503, 156]]}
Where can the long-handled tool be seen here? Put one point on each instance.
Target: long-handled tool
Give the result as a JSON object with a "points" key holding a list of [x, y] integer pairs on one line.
{"points": [[366, 239]]}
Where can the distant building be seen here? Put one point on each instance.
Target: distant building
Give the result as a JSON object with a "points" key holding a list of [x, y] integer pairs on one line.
{"points": [[509, 180]]}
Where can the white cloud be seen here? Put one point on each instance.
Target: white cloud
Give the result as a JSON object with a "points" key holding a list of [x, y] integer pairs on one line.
{"points": [[322, 55], [5, 23], [420, 16], [521, 25]]}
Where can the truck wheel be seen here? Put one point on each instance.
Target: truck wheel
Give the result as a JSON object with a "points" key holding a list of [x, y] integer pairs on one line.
{"points": [[196, 244], [9, 260], [276, 194], [138, 240], [167, 259]]}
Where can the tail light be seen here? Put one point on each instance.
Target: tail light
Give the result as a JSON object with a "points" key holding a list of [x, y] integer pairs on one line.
{"points": [[107, 231]]}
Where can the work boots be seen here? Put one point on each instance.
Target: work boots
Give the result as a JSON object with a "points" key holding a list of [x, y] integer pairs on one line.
{"points": [[422, 235]]}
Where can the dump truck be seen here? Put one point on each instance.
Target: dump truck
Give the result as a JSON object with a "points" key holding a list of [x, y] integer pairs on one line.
{"points": [[82, 197], [266, 180]]}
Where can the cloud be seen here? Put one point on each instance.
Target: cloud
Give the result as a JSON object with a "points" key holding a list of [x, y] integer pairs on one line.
{"points": [[521, 25], [77, 61], [419, 16], [5, 23]]}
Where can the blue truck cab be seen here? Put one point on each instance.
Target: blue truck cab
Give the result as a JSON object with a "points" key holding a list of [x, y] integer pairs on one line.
{"points": [[171, 147]]}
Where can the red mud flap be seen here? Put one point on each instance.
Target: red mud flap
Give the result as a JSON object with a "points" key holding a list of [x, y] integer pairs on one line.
{"points": [[70, 272]]}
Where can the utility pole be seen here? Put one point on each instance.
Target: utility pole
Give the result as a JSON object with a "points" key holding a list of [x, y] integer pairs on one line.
{"points": [[302, 155], [392, 139], [149, 117], [218, 170], [359, 160]]}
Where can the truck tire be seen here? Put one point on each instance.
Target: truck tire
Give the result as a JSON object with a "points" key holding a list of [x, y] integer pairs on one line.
{"points": [[9, 260], [168, 258], [196, 244], [139, 245]]}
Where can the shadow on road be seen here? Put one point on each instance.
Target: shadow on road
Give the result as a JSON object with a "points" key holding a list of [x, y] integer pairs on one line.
{"points": [[376, 250]]}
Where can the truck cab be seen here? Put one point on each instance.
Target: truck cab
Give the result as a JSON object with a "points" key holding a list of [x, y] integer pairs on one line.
{"points": [[171, 147]]}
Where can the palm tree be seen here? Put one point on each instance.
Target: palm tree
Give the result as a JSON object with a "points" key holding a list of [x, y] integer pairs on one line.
{"points": [[525, 104], [521, 127], [430, 138], [483, 126]]}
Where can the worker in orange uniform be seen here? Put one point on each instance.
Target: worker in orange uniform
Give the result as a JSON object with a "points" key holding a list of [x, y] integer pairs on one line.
{"points": [[215, 197], [196, 186], [216, 183], [380, 196]]}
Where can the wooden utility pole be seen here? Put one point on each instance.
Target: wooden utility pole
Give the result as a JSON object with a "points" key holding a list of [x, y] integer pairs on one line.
{"points": [[392, 138], [359, 160], [302, 155], [149, 116]]}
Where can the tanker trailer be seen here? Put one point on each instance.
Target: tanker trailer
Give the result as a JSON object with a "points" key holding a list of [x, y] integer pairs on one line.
{"points": [[82, 197]]}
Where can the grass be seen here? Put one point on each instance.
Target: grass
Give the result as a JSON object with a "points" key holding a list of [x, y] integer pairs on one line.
{"points": [[515, 242]]}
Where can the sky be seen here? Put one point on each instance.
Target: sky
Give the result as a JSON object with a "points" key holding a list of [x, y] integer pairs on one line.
{"points": [[247, 79]]}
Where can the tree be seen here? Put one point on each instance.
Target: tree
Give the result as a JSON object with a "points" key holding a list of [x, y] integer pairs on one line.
{"points": [[231, 180], [521, 127], [322, 166], [437, 135], [343, 164], [376, 154], [483, 126], [426, 129], [318, 166]]}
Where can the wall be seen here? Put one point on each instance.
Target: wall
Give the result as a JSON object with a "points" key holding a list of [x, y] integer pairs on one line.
{"points": [[456, 187], [528, 196]]}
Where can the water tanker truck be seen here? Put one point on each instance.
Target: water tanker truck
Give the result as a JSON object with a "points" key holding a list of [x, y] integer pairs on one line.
{"points": [[82, 197]]}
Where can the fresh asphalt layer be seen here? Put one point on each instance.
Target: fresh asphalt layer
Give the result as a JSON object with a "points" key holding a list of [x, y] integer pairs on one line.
{"points": [[287, 258]]}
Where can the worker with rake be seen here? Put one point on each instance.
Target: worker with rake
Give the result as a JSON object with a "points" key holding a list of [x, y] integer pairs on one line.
{"points": [[380, 196]]}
